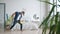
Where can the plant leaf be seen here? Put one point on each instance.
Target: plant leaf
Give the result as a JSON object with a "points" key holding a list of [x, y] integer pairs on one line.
{"points": [[47, 18], [46, 2]]}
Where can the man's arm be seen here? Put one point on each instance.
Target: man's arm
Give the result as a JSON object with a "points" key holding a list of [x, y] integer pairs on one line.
{"points": [[12, 14]]}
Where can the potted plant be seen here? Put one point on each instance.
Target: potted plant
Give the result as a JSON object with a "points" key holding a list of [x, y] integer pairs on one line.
{"points": [[51, 22]]}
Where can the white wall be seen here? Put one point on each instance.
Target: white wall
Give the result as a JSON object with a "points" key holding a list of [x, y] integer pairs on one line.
{"points": [[31, 7]]}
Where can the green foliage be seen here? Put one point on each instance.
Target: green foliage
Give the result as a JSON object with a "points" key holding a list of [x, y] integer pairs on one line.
{"points": [[51, 22]]}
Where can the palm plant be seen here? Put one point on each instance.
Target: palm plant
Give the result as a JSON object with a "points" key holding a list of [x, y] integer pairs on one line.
{"points": [[51, 22]]}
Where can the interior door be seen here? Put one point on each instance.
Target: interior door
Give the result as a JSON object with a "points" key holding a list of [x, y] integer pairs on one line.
{"points": [[2, 16]]}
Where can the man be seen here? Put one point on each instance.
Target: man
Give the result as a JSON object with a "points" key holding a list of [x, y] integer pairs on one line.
{"points": [[17, 18]]}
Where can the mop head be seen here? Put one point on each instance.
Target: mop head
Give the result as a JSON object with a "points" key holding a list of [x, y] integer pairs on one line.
{"points": [[9, 21]]}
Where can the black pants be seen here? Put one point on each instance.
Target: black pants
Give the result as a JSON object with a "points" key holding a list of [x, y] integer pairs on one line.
{"points": [[15, 21]]}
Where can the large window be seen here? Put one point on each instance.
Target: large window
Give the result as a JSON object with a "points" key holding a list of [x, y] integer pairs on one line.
{"points": [[57, 8], [58, 3]]}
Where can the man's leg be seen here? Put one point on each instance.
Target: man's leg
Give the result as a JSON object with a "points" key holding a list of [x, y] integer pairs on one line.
{"points": [[20, 25], [13, 24]]}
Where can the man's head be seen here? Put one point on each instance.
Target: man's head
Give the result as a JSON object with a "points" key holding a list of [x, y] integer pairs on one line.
{"points": [[23, 12]]}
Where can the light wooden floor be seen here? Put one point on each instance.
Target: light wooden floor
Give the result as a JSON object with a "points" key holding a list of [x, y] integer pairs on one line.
{"points": [[22, 32]]}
